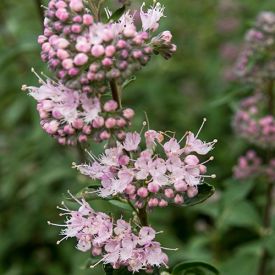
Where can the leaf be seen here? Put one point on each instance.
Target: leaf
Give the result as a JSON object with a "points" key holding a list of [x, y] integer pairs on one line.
{"points": [[205, 191], [117, 14], [121, 204], [194, 268]]}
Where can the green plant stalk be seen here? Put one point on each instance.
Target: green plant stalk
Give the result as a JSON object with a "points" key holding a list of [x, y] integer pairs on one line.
{"points": [[268, 206], [116, 92]]}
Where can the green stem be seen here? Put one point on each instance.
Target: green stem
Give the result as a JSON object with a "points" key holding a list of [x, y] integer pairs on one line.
{"points": [[116, 93], [142, 215], [268, 204]]}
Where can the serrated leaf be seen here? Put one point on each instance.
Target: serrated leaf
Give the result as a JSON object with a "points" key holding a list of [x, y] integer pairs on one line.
{"points": [[205, 191], [190, 267]]}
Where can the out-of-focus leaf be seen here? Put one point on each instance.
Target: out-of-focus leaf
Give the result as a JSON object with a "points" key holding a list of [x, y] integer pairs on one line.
{"points": [[205, 191], [240, 213], [185, 268]]}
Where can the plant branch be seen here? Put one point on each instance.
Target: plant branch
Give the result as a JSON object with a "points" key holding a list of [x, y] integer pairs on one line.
{"points": [[116, 93], [142, 215], [269, 192]]}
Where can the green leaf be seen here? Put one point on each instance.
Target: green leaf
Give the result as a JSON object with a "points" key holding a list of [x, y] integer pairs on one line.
{"points": [[117, 14], [121, 204], [196, 268], [205, 191]]}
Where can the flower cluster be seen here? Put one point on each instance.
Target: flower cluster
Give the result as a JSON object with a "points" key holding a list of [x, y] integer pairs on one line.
{"points": [[248, 166], [256, 62], [251, 165], [78, 48], [71, 116], [251, 123], [147, 178], [116, 242]]}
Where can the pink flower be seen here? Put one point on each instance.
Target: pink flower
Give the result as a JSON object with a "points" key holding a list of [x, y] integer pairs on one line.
{"points": [[132, 140]]}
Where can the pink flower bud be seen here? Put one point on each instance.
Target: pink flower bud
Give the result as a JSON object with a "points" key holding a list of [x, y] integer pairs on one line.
{"points": [[56, 114], [142, 192], [73, 72], [130, 189], [128, 113], [82, 138], [153, 187], [110, 122], [94, 67], [110, 50], [42, 39], [123, 65], [88, 19], [137, 54], [62, 43], [121, 122], [129, 32], [180, 186], [77, 19], [153, 202], [68, 129], [163, 203], [78, 123], [80, 59], [62, 54], [87, 129], [166, 36], [192, 191], [121, 44], [60, 4], [98, 122], [76, 28], [107, 62], [62, 140], [51, 127], [139, 204], [104, 135], [191, 160], [121, 135], [110, 106], [97, 50], [169, 193], [76, 5], [62, 14], [82, 46], [178, 199], [67, 63]]}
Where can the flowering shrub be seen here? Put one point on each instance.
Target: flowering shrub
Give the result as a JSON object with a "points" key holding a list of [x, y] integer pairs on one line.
{"points": [[93, 58]]}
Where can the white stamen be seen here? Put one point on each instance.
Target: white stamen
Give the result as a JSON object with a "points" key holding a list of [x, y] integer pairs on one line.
{"points": [[203, 122]]}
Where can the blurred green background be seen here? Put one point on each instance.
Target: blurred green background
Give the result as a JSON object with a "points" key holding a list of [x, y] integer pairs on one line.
{"points": [[176, 94]]}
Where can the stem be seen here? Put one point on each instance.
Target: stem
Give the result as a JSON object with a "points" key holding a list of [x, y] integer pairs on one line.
{"points": [[142, 215], [116, 92], [40, 10], [268, 206], [81, 153]]}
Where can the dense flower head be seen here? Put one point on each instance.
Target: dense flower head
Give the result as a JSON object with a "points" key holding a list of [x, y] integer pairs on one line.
{"points": [[251, 165], [248, 166], [163, 172], [77, 47], [252, 123], [73, 117], [118, 243], [256, 61]]}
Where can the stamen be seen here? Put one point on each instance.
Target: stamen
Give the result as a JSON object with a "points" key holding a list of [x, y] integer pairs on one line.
{"points": [[38, 76], [101, 260], [147, 120], [77, 200], [58, 242], [186, 133], [210, 159], [203, 122], [55, 224], [170, 249]]}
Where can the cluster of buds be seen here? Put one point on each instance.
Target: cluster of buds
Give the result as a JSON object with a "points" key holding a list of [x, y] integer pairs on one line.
{"points": [[251, 165], [248, 166], [118, 243], [149, 178], [251, 123], [87, 55], [71, 116], [256, 62]]}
